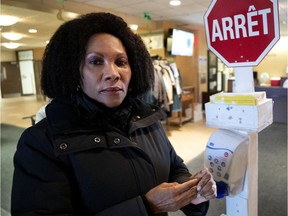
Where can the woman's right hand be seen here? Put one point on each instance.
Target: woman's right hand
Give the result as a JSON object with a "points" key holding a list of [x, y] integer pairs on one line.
{"points": [[172, 196]]}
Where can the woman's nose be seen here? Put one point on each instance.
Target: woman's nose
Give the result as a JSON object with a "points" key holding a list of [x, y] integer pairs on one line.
{"points": [[111, 73]]}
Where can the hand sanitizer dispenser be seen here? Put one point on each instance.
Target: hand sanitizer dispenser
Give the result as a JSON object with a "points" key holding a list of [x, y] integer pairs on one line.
{"points": [[226, 159]]}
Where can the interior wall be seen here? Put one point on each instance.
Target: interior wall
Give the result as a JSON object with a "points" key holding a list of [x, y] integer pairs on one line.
{"points": [[276, 61], [38, 53], [10, 79], [202, 62], [8, 55], [188, 65], [202, 42]]}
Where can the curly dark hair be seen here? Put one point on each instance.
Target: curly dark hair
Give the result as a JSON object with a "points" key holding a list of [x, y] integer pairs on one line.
{"points": [[64, 54]]}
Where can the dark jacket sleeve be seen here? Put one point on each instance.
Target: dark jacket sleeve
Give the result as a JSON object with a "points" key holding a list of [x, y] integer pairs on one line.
{"points": [[180, 173], [40, 184]]}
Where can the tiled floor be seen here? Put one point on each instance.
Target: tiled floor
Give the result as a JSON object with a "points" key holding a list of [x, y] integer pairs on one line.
{"points": [[15, 108]]}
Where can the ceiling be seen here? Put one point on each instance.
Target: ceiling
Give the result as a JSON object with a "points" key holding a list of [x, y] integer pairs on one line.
{"points": [[42, 15]]}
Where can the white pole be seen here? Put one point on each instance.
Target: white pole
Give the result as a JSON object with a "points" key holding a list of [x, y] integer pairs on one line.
{"points": [[246, 203], [244, 81]]}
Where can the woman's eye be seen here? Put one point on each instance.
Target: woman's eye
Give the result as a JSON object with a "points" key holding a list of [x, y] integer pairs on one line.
{"points": [[122, 62], [95, 61]]}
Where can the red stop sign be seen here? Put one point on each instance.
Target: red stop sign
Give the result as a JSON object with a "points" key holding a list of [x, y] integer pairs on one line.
{"points": [[241, 32]]}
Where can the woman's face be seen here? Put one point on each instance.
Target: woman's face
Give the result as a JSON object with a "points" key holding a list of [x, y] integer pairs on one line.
{"points": [[106, 72]]}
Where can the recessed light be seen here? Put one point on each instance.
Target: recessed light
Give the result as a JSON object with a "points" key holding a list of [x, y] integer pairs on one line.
{"points": [[8, 20], [175, 2], [134, 27], [32, 30]]}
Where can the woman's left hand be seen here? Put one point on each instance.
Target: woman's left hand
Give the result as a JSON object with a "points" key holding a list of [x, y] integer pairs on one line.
{"points": [[206, 187]]}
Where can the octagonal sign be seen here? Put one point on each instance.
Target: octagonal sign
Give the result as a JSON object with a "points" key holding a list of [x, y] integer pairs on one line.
{"points": [[242, 32]]}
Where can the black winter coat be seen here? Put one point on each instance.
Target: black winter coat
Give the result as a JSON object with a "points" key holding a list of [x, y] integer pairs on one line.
{"points": [[66, 166]]}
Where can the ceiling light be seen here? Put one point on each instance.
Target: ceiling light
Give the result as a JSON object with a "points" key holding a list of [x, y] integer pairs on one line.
{"points": [[8, 20], [32, 30], [11, 45], [134, 27], [175, 2], [71, 15], [12, 36]]}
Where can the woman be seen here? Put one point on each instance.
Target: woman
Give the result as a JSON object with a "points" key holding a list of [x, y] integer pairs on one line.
{"points": [[100, 150]]}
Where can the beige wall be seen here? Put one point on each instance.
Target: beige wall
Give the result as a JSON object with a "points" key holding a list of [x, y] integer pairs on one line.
{"points": [[202, 43], [202, 54], [276, 62], [8, 56], [38, 53]]}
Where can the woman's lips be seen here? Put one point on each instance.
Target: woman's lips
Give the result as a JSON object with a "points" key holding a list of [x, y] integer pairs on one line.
{"points": [[112, 89]]}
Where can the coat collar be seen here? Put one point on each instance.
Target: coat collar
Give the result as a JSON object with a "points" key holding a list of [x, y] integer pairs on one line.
{"points": [[63, 116]]}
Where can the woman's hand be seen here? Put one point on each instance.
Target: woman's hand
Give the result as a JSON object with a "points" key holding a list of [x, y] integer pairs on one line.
{"points": [[172, 196], [206, 188]]}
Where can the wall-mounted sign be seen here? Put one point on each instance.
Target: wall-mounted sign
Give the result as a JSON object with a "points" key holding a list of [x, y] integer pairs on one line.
{"points": [[153, 41]]}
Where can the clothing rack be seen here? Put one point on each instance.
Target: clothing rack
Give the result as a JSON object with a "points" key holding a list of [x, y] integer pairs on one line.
{"points": [[168, 92]]}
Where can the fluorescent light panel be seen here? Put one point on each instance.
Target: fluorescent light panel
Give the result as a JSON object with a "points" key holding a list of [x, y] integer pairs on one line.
{"points": [[11, 45], [12, 36]]}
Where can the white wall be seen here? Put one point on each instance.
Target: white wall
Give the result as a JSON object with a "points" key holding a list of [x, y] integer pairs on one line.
{"points": [[276, 61]]}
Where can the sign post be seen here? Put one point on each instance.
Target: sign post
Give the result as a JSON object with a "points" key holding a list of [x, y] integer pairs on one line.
{"points": [[241, 33]]}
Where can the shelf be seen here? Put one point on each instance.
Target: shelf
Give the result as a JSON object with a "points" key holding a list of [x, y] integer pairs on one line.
{"points": [[187, 104]]}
